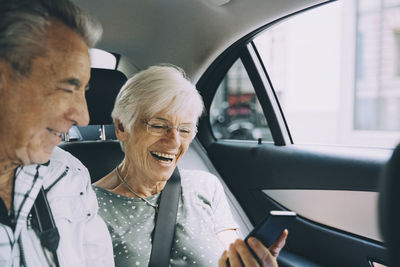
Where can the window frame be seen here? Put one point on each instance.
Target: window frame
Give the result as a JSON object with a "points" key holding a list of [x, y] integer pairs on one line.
{"points": [[262, 88], [266, 95], [245, 50]]}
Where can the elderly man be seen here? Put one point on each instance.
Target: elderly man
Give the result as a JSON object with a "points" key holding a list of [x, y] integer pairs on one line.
{"points": [[48, 210]]}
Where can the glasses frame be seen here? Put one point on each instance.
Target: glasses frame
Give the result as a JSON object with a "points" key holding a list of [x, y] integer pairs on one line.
{"points": [[150, 126]]}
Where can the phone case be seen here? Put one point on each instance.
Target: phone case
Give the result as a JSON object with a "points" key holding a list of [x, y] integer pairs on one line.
{"points": [[271, 227]]}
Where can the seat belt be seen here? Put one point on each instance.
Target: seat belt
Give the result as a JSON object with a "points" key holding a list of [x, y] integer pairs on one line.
{"points": [[164, 231]]}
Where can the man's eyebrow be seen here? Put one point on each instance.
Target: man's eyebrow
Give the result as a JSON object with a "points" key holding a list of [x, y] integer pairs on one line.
{"points": [[72, 81]]}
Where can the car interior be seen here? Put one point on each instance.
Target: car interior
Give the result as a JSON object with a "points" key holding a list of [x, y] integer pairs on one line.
{"points": [[388, 202], [334, 189]]}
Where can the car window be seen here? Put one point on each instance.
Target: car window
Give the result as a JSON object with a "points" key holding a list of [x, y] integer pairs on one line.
{"points": [[336, 72], [235, 112]]}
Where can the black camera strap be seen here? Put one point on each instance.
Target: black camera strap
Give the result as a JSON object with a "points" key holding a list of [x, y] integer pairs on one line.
{"points": [[164, 231], [43, 222]]}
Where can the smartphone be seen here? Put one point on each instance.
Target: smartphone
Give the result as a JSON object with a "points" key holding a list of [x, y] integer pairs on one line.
{"points": [[272, 226]]}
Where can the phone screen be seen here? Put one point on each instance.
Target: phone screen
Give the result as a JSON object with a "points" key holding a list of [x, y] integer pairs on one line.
{"points": [[271, 228]]}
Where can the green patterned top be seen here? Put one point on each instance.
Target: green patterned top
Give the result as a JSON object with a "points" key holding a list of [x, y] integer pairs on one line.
{"points": [[203, 211]]}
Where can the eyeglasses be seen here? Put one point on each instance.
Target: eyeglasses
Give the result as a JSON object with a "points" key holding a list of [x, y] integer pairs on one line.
{"points": [[160, 128]]}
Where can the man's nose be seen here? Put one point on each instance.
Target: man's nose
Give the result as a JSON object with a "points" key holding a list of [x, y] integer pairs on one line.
{"points": [[80, 113]]}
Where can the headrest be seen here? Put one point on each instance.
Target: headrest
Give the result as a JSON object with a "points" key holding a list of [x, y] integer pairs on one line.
{"points": [[104, 86], [389, 207]]}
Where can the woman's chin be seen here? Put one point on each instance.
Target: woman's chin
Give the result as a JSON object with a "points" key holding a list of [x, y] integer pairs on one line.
{"points": [[163, 169]]}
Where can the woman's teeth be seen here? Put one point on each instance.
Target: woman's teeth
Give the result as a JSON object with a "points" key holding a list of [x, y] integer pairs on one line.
{"points": [[163, 156]]}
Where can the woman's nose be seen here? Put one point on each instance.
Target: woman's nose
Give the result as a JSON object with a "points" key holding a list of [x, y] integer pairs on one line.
{"points": [[173, 135]]}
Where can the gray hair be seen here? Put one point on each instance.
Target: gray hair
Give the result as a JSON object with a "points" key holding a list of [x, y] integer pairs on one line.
{"points": [[23, 27], [158, 88]]}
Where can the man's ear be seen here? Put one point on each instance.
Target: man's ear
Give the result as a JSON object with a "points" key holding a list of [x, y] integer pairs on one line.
{"points": [[6, 73], [120, 131], [3, 69]]}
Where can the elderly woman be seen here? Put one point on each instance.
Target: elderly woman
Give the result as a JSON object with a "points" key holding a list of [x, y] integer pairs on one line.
{"points": [[155, 117]]}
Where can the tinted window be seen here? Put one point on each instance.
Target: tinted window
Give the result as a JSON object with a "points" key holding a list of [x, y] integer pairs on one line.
{"points": [[235, 111]]}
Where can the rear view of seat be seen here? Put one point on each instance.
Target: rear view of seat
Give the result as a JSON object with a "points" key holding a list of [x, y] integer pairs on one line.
{"points": [[99, 156]]}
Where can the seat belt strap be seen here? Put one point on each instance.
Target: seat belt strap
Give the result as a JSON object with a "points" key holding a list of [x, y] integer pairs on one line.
{"points": [[164, 231]]}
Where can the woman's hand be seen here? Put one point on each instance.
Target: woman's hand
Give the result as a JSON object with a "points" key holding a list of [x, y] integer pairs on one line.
{"points": [[239, 253]]}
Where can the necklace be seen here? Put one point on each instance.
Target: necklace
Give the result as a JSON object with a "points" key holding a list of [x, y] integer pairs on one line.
{"points": [[132, 191]]}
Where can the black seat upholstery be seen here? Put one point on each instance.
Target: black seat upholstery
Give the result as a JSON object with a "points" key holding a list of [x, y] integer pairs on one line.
{"points": [[389, 207], [99, 156], [104, 86]]}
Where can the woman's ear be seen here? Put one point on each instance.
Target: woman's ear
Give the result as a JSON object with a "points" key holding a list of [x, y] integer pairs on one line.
{"points": [[121, 127], [120, 131]]}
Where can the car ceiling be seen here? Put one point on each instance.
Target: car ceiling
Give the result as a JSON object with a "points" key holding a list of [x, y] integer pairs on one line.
{"points": [[188, 33]]}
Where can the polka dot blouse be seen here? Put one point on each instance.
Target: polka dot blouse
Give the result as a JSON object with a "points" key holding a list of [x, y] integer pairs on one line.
{"points": [[203, 211]]}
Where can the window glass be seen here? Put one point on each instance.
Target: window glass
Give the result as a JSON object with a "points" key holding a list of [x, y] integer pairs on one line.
{"points": [[336, 72], [235, 111]]}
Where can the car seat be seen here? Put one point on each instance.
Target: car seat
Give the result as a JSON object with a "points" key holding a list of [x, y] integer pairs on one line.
{"points": [[100, 156]]}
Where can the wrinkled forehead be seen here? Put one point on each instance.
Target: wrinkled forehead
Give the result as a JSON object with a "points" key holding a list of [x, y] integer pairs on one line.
{"points": [[62, 42], [67, 54], [176, 110], [175, 116]]}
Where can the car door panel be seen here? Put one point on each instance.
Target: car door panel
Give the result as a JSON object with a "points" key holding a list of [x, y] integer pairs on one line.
{"points": [[334, 208], [265, 177], [281, 163]]}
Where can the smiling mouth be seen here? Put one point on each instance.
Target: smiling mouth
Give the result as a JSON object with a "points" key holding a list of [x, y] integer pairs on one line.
{"points": [[163, 156], [54, 132]]}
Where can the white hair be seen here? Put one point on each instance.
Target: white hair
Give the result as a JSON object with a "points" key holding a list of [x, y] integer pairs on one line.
{"points": [[23, 27], [158, 88]]}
